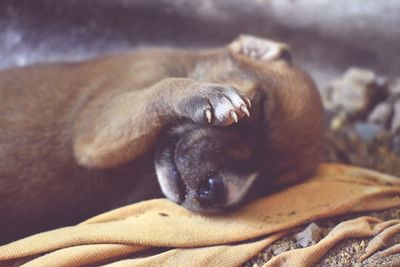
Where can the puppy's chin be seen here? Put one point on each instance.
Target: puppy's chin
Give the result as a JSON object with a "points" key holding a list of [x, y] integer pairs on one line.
{"points": [[194, 168], [175, 189], [191, 203]]}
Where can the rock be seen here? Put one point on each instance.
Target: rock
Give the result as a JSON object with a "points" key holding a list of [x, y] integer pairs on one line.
{"points": [[368, 131], [395, 144], [354, 93], [337, 122], [361, 76], [394, 87], [382, 82], [266, 256], [268, 251], [282, 248], [309, 236], [326, 96], [357, 248], [380, 115], [395, 125]]}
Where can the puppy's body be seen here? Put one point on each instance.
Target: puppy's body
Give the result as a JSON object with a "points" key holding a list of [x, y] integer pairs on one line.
{"points": [[78, 139]]}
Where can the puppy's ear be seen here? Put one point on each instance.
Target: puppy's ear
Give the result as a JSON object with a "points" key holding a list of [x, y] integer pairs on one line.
{"points": [[260, 49]]}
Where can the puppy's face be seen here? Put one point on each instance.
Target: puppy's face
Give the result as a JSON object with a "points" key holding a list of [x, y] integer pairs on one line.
{"points": [[205, 168], [208, 168]]}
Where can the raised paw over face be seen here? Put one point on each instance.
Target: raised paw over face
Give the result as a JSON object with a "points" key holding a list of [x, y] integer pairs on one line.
{"points": [[216, 104]]}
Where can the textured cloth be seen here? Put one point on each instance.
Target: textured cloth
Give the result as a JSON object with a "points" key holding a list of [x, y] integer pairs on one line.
{"points": [[161, 233]]}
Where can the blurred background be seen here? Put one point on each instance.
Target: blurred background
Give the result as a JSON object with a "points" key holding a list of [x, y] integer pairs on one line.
{"points": [[326, 36], [351, 48]]}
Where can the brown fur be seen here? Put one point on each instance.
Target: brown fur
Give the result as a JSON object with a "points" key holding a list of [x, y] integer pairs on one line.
{"points": [[78, 139]]}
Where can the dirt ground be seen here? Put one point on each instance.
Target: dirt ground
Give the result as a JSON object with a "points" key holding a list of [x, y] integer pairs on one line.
{"points": [[359, 138], [346, 253]]}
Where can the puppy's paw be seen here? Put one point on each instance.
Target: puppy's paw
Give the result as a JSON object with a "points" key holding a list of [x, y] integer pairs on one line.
{"points": [[260, 49], [216, 104]]}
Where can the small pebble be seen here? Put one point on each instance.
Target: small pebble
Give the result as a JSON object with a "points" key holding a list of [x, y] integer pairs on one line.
{"points": [[354, 92], [337, 122], [394, 87], [283, 248], [380, 114], [309, 236], [395, 124], [368, 131], [395, 144]]}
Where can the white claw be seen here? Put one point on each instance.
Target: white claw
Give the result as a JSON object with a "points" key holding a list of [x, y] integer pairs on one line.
{"points": [[245, 110], [234, 116], [248, 102], [209, 115]]}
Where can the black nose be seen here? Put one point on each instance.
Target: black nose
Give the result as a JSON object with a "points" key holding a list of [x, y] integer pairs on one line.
{"points": [[211, 193]]}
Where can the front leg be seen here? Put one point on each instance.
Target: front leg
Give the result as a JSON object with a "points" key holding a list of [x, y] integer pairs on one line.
{"points": [[115, 131]]}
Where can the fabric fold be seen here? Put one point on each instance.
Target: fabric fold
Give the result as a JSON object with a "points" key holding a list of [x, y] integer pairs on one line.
{"points": [[233, 238]]}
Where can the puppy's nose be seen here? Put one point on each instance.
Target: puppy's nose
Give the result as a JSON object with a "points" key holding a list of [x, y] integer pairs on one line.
{"points": [[211, 193]]}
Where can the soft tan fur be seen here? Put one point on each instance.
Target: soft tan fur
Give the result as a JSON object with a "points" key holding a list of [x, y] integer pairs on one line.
{"points": [[77, 139]]}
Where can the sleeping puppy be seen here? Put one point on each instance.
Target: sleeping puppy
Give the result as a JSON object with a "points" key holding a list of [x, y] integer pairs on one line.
{"points": [[210, 128]]}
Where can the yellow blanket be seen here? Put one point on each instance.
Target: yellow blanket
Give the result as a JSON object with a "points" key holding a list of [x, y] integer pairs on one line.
{"points": [[161, 233]]}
